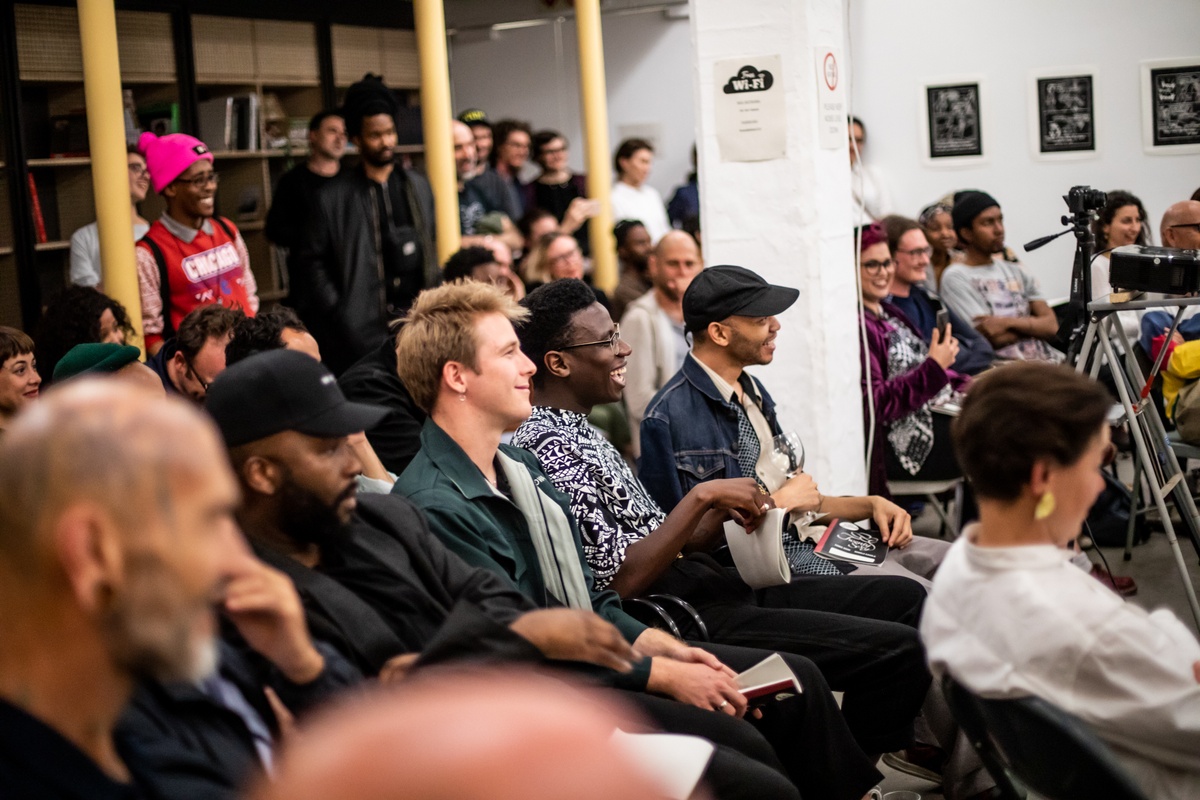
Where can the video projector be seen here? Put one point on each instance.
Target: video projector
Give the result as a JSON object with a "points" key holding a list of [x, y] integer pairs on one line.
{"points": [[1154, 269]]}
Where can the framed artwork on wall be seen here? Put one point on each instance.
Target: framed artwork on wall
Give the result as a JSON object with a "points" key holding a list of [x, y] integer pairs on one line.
{"points": [[1171, 106], [953, 122], [1063, 113]]}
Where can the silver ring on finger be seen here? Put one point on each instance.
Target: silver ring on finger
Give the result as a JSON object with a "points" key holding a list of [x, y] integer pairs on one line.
{"points": [[723, 704]]}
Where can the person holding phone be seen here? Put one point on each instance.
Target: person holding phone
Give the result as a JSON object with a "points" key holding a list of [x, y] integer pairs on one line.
{"points": [[910, 382], [912, 292]]}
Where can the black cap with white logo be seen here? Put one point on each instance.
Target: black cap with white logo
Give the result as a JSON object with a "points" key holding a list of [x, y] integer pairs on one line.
{"points": [[283, 390]]}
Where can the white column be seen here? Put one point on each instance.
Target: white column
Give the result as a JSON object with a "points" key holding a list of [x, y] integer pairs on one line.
{"points": [[788, 219]]}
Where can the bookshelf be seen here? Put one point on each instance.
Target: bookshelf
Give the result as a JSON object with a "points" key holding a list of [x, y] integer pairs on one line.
{"points": [[279, 61]]}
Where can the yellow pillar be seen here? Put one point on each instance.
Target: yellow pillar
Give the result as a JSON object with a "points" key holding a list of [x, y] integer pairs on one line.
{"points": [[595, 127], [110, 173], [430, 22]]}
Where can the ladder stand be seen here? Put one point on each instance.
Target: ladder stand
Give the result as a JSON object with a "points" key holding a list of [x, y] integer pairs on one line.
{"points": [[1151, 449]]}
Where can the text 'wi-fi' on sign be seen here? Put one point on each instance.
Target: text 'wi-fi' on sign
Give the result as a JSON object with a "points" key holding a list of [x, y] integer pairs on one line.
{"points": [[749, 79]]}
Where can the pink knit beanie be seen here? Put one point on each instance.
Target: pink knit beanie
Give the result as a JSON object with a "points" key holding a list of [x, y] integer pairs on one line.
{"points": [[168, 157]]}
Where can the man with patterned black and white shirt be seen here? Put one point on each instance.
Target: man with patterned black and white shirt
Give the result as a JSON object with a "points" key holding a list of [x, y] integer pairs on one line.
{"points": [[848, 628]]}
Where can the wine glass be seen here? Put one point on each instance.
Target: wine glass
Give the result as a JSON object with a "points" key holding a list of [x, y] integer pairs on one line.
{"points": [[787, 455]]}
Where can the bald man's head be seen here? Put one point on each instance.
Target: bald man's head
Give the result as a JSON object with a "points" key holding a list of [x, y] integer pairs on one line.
{"points": [[1181, 225], [117, 505], [464, 149], [673, 264], [487, 736]]}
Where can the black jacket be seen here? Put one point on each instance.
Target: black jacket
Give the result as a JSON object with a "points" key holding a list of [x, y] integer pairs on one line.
{"points": [[189, 745], [339, 286], [373, 379], [387, 587]]}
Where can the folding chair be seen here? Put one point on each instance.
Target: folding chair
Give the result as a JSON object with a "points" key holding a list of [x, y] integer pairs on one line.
{"points": [[1028, 742], [951, 489]]}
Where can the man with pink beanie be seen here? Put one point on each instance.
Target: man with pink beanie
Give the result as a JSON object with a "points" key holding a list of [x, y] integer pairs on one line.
{"points": [[190, 257]]}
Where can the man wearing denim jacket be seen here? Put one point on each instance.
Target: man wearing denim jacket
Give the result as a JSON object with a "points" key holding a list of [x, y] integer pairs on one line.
{"points": [[713, 420]]}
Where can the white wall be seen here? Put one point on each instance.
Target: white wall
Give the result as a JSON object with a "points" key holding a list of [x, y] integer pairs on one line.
{"points": [[897, 47], [533, 74]]}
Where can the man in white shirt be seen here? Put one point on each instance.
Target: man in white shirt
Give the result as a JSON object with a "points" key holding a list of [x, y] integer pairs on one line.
{"points": [[653, 324]]}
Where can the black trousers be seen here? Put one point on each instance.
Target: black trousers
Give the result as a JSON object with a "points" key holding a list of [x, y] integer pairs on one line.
{"points": [[744, 765], [808, 731], [859, 632]]}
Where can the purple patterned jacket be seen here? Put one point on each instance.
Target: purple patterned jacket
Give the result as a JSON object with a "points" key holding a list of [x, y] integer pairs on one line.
{"points": [[896, 397]]}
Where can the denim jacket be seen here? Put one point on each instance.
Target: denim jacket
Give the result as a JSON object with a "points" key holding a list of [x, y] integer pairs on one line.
{"points": [[690, 433]]}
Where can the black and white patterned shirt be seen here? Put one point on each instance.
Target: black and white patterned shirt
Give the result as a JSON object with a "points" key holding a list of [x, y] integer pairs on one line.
{"points": [[612, 507]]}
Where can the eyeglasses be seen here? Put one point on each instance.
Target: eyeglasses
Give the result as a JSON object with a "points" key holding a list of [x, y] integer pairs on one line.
{"points": [[200, 181], [551, 151], [138, 170], [916, 252], [613, 341], [572, 253], [191, 371], [876, 267], [1194, 225]]}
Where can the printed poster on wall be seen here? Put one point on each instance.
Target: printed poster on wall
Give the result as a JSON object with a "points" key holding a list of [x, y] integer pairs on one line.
{"points": [[954, 124], [1066, 114], [751, 116], [1171, 106]]}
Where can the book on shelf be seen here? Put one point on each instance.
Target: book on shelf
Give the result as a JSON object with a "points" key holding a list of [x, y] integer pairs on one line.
{"points": [[853, 544], [39, 222], [758, 555], [230, 122], [767, 679]]}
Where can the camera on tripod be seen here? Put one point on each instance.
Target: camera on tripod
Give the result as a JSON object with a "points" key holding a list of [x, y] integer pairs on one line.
{"points": [[1082, 199]]}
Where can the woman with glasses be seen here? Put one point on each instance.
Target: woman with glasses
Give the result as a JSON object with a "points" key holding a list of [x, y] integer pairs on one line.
{"points": [[910, 382], [557, 256], [559, 190], [85, 242]]}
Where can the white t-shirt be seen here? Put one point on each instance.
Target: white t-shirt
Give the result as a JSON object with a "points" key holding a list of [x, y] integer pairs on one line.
{"points": [[643, 203], [85, 253], [998, 289], [1019, 621], [868, 188]]}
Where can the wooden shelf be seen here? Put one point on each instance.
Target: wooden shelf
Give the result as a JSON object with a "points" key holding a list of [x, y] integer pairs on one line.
{"points": [[46, 247], [251, 225], [72, 161], [5, 251]]}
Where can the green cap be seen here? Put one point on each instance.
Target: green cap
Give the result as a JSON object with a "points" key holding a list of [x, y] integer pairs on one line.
{"points": [[95, 358]]}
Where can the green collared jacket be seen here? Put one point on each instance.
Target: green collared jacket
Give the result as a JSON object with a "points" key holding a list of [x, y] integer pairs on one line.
{"points": [[488, 530]]}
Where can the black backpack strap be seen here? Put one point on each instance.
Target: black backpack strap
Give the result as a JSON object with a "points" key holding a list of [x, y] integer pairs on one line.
{"points": [[164, 285], [225, 226]]}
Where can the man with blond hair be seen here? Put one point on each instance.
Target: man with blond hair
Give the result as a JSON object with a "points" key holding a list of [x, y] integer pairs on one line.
{"points": [[492, 505]]}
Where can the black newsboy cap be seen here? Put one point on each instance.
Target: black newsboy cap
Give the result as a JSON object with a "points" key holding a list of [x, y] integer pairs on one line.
{"points": [[726, 290]]}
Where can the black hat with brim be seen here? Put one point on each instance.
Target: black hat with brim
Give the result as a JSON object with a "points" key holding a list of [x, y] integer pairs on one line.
{"points": [[725, 290], [283, 390]]}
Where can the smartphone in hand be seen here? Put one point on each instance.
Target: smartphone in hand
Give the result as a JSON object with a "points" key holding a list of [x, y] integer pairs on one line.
{"points": [[941, 321]]}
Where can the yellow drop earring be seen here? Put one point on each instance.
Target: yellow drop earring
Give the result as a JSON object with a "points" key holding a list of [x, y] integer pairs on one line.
{"points": [[1045, 506]]}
